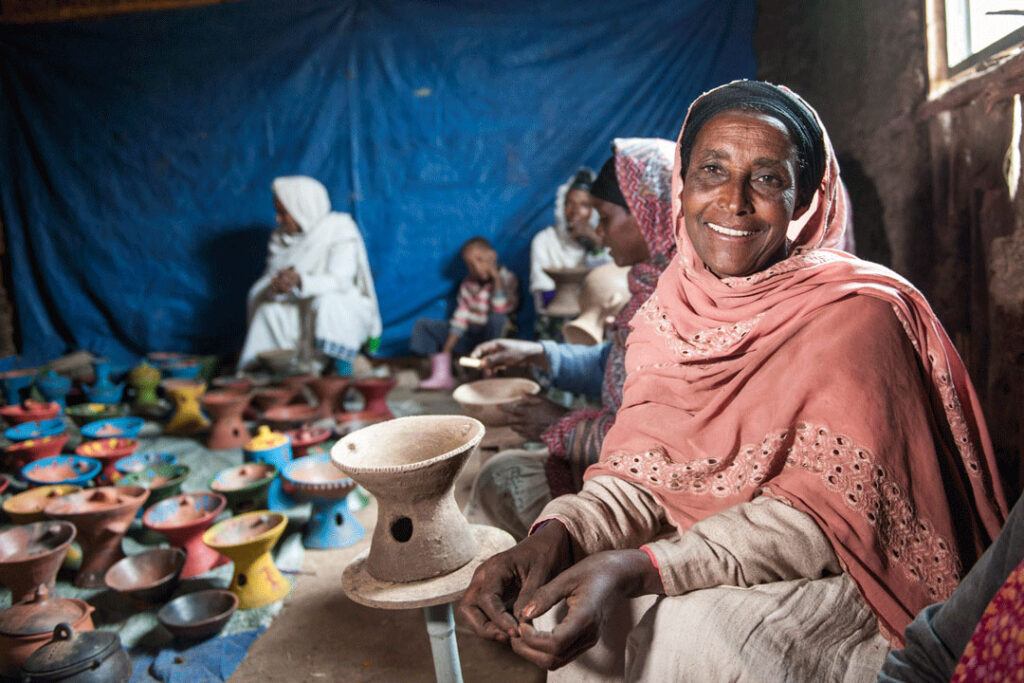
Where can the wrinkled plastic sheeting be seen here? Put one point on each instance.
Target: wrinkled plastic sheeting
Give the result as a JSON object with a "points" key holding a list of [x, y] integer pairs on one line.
{"points": [[138, 150]]}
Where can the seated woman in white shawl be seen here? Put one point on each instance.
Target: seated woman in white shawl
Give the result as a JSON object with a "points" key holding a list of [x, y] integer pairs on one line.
{"points": [[316, 256]]}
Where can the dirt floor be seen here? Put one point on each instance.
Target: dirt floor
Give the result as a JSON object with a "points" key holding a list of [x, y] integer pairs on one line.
{"points": [[321, 635]]}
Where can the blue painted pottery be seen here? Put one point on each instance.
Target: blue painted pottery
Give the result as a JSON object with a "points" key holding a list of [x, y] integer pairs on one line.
{"points": [[136, 462], [54, 387], [36, 429], [16, 384], [118, 427], [275, 449], [61, 469], [108, 394], [183, 368], [316, 479]]}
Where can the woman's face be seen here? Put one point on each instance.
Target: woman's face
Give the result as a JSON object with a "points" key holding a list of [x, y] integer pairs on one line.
{"points": [[739, 194], [285, 220], [619, 232]]}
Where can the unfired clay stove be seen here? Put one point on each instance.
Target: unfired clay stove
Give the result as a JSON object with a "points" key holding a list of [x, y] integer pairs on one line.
{"points": [[605, 292], [568, 285]]}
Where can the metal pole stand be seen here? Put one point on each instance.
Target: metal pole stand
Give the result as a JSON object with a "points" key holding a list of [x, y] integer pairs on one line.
{"points": [[444, 648]]}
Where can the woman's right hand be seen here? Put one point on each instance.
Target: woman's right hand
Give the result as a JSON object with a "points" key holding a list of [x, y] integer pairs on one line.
{"points": [[507, 352], [506, 583]]}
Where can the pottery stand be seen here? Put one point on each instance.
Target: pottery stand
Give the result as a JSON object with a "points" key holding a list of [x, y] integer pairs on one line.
{"points": [[568, 285], [423, 552], [331, 525], [187, 417], [247, 540], [225, 408], [144, 379], [272, 448], [183, 519], [330, 394], [30, 556], [605, 292], [375, 392]]}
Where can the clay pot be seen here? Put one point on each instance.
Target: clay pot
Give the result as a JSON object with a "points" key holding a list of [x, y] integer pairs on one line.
{"points": [[108, 452], [330, 394], [54, 387], [317, 480], [105, 394], [61, 469], [410, 465], [149, 576], [145, 378], [84, 413], [114, 428], [136, 462], [605, 292], [285, 417], [30, 556], [22, 453], [305, 438], [27, 506], [198, 615], [29, 411], [225, 408], [87, 657], [484, 398], [102, 516], [245, 486], [187, 417], [183, 519], [163, 481], [266, 398], [568, 286], [247, 540], [278, 361], [375, 392], [28, 625], [16, 384], [36, 429]]}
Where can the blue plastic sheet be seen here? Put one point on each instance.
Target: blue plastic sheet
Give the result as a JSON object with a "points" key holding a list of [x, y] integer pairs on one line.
{"points": [[137, 151]]}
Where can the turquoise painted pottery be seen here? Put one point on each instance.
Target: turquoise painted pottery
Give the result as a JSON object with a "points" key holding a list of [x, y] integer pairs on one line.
{"points": [[118, 427], [36, 430], [61, 469]]}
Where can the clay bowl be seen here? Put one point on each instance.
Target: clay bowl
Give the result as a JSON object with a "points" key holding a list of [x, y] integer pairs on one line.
{"points": [[163, 481], [36, 429], [305, 438], [278, 361], [484, 398], [27, 507], [29, 411], [61, 469], [183, 519], [108, 451], [22, 453], [330, 394], [238, 385], [150, 576], [84, 413], [102, 516], [31, 554], [136, 462], [187, 367], [198, 615], [266, 398], [118, 427], [27, 626], [375, 391], [286, 417], [245, 486]]}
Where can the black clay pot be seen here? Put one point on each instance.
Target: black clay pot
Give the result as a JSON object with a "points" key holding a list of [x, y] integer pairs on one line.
{"points": [[84, 657]]}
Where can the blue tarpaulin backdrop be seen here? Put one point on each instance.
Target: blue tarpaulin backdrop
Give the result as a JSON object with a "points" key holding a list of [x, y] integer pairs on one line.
{"points": [[138, 151]]}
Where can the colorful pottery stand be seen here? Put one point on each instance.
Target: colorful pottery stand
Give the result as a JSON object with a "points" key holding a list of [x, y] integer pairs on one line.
{"points": [[16, 384], [114, 428], [247, 540], [29, 411], [186, 367], [225, 408], [317, 480], [27, 507], [245, 486], [84, 413], [36, 429], [163, 481], [107, 451], [330, 394], [137, 462], [272, 448], [187, 417], [61, 469], [30, 556], [54, 387], [183, 519], [102, 517], [144, 379], [304, 438], [375, 392], [21, 453]]}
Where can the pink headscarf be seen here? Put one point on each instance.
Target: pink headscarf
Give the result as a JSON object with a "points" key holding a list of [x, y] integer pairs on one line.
{"points": [[824, 381]]}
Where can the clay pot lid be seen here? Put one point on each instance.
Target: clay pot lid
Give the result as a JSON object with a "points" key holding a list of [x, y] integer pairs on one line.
{"points": [[101, 499], [30, 541], [308, 436], [406, 444], [40, 613], [243, 476], [495, 391], [107, 448], [70, 653], [265, 439], [244, 529]]}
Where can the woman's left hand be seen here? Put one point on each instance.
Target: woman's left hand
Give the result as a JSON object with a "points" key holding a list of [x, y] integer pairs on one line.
{"points": [[531, 416], [591, 590]]}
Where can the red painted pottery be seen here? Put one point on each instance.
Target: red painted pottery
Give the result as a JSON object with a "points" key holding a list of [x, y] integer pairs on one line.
{"points": [[225, 408], [183, 519], [299, 384], [27, 507], [284, 417], [22, 453], [30, 556], [330, 394], [108, 452], [375, 391], [30, 411], [268, 397], [102, 516], [305, 438], [27, 626]]}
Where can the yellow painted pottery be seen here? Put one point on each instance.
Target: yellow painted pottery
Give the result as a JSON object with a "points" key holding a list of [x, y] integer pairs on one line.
{"points": [[247, 540], [27, 506], [187, 417], [144, 379]]}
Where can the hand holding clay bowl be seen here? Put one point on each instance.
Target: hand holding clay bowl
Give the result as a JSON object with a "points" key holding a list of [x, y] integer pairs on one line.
{"points": [[375, 392], [484, 398], [183, 519], [245, 486], [163, 481], [27, 507], [118, 427], [247, 540], [36, 429], [108, 452], [28, 625], [29, 411], [286, 417], [102, 516], [84, 413], [61, 469], [30, 556], [278, 361], [316, 479], [306, 437], [136, 462], [22, 453], [198, 615], [149, 576]]}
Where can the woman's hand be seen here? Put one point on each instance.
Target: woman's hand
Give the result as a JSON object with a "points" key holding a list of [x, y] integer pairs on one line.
{"points": [[508, 352], [507, 581], [531, 416], [286, 280], [591, 590]]}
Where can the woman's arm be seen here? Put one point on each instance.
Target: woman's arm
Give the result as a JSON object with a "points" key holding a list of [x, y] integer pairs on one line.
{"points": [[577, 368]]}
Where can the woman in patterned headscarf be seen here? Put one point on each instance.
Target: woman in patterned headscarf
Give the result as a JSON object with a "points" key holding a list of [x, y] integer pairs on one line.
{"points": [[631, 195], [799, 463]]}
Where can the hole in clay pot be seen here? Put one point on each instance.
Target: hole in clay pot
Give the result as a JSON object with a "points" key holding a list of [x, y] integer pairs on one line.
{"points": [[242, 580], [337, 519], [234, 431], [401, 529]]}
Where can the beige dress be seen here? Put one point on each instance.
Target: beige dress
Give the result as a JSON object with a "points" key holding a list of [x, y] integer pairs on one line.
{"points": [[753, 593]]}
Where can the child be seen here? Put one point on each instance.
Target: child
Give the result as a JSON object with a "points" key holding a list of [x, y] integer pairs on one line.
{"points": [[488, 295]]}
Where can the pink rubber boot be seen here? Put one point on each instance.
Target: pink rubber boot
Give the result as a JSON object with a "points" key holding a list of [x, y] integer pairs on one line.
{"points": [[440, 373]]}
